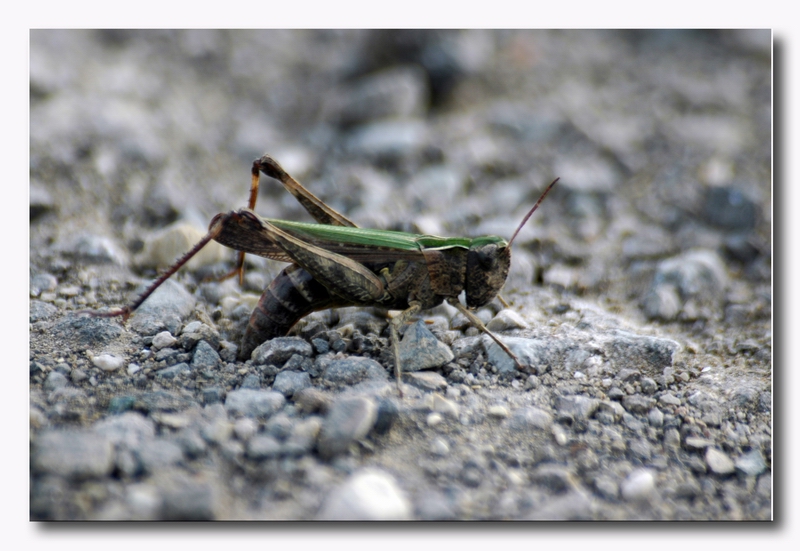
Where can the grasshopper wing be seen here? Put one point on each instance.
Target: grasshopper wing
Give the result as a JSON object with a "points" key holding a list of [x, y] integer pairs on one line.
{"points": [[245, 231]]}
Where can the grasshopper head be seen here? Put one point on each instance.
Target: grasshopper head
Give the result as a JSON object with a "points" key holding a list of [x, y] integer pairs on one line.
{"points": [[488, 261]]}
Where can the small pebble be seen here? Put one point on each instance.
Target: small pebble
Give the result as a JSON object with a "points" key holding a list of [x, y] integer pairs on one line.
{"points": [[163, 340], [439, 447], [348, 420], [752, 463], [434, 419], [640, 485], [697, 443], [507, 319], [444, 406], [244, 428], [498, 411], [367, 495], [72, 454], [108, 362], [719, 462]]}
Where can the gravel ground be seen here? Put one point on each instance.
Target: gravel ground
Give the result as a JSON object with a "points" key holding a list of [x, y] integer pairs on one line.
{"points": [[640, 293]]}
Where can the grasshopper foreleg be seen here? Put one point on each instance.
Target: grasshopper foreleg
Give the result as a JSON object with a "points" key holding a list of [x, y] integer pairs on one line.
{"points": [[476, 322], [395, 325]]}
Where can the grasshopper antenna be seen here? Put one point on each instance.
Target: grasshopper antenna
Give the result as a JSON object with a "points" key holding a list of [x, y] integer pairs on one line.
{"points": [[530, 213], [126, 311]]}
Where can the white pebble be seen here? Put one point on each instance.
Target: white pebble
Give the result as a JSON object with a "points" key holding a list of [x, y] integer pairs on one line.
{"points": [[498, 411], [244, 428], [439, 447], [434, 419], [108, 362], [639, 485], [134, 368], [368, 495], [163, 340], [445, 406]]}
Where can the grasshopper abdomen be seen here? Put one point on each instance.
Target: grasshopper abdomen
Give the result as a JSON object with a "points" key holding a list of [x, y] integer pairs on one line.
{"points": [[292, 295]]}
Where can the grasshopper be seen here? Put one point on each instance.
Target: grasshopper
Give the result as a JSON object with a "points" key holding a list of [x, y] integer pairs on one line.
{"points": [[334, 263]]}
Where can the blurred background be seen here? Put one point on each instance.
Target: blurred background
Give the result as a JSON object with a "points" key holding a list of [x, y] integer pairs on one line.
{"points": [[661, 138]]}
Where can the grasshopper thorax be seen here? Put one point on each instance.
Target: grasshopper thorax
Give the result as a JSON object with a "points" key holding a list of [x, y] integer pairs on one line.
{"points": [[488, 261]]}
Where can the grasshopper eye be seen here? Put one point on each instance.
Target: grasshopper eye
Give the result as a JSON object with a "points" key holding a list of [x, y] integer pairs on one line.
{"points": [[485, 259]]}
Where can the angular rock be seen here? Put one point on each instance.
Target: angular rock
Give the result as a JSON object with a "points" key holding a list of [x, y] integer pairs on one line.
{"points": [[254, 403], [277, 351], [348, 420], [420, 349], [719, 462], [353, 370], [290, 382]]}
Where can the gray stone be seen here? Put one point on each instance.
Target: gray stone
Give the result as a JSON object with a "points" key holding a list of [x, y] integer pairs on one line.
{"points": [[87, 331], [426, 380], [554, 477], [196, 331], [277, 351], [41, 311], [191, 443], [538, 354], [669, 400], [719, 462], [54, 381], [697, 443], [97, 249], [636, 403], [751, 463], [254, 403], [656, 418], [174, 371], [348, 420], [252, 381], [263, 446], [303, 438], [73, 454], [505, 320], [290, 382], [420, 349], [158, 454], [352, 370], [396, 92], [606, 487], [573, 505], [728, 208], [529, 418], [576, 407], [128, 430], [163, 310], [648, 354], [185, 497], [698, 276], [205, 357], [388, 138]]}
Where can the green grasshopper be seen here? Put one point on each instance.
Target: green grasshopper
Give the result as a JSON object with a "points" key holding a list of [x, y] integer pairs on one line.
{"points": [[335, 263]]}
